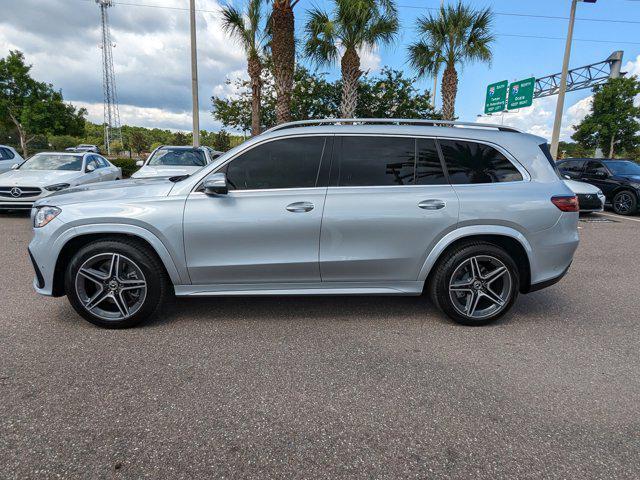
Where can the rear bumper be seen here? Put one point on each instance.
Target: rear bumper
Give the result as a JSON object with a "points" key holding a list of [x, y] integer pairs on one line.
{"points": [[534, 287]]}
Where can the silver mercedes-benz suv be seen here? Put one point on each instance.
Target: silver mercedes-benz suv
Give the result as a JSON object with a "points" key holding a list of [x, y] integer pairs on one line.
{"points": [[469, 214]]}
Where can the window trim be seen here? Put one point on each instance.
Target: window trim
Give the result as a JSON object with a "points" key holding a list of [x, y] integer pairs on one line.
{"points": [[198, 187]]}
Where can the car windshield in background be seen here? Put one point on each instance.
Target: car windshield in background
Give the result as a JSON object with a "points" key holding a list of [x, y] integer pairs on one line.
{"points": [[624, 167], [53, 162], [178, 157]]}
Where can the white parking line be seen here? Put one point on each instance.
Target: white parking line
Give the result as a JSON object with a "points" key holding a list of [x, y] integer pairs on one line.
{"points": [[619, 217]]}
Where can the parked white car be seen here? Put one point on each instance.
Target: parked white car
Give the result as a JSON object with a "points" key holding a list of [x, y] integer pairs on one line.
{"points": [[174, 161], [49, 172], [8, 158], [590, 198]]}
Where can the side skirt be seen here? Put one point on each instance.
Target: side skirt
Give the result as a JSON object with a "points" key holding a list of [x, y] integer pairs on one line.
{"points": [[323, 288]]}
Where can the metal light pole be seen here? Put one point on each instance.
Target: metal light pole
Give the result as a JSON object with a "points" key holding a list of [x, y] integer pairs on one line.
{"points": [[555, 137], [194, 74]]}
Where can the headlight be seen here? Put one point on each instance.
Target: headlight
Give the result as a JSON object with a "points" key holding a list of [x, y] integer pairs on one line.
{"points": [[44, 215], [57, 186]]}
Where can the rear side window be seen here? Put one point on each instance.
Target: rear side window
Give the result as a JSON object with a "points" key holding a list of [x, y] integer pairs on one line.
{"points": [[470, 162], [428, 168], [376, 161], [594, 168], [6, 154], [286, 163], [572, 166]]}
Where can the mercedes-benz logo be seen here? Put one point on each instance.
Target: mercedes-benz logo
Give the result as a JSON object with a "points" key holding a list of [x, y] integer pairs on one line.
{"points": [[15, 192]]}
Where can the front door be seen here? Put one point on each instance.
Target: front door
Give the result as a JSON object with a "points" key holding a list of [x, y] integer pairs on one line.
{"points": [[384, 210], [597, 175], [267, 228]]}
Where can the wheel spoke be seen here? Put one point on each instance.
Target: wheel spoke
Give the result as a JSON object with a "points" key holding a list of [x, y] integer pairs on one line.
{"points": [[496, 274], [472, 303], [97, 299], [120, 302], [488, 293], [93, 275], [475, 268], [114, 266], [132, 284]]}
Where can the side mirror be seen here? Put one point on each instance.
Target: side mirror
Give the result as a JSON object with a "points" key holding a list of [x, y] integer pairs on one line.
{"points": [[90, 168], [567, 177], [15, 166], [216, 184], [139, 163]]}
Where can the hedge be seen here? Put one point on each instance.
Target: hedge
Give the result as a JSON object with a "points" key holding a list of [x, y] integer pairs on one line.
{"points": [[128, 165]]}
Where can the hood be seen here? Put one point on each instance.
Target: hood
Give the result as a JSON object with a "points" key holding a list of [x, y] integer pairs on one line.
{"points": [[164, 171], [37, 178], [110, 192], [581, 187]]}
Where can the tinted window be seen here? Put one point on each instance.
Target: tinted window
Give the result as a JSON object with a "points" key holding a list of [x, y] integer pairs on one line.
{"points": [[470, 162], [6, 154], [373, 161], [572, 166], [429, 169], [595, 167], [624, 167], [287, 163]]}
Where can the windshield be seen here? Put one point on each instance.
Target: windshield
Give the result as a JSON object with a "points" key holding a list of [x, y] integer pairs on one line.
{"points": [[181, 157], [624, 167], [46, 161]]}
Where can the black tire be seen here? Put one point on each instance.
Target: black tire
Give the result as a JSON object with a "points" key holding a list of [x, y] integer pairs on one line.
{"points": [[457, 261], [625, 202], [136, 265]]}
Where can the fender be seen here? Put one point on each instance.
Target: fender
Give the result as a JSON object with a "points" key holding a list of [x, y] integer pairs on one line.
{"points": [[470, 231], [179, 276]]}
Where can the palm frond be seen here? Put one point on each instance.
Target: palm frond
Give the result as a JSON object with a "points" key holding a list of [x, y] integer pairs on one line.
{"points": [[321, 44]]}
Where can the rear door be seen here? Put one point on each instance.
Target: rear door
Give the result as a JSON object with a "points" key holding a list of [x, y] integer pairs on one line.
{"points": [[598, 175], [384, 210]]}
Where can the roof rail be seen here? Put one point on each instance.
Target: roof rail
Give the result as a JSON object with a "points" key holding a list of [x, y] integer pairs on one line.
{"points": [[391, 121]]}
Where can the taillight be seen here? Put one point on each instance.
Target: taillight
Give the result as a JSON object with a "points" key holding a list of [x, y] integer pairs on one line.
{"points": [[566, 203]]}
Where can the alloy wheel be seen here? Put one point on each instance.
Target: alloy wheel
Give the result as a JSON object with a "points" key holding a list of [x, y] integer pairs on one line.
{"points": [[623, 202], [111, 286], [480, 286]]}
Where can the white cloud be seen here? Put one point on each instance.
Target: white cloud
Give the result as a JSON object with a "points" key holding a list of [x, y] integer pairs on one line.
{"points": [[369, 59]]}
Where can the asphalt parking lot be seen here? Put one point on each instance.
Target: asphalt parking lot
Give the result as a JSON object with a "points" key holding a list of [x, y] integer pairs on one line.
{"points": [[375, 387]]}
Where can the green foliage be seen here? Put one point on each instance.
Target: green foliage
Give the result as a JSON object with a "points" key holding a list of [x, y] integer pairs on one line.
{"points": [[155, 145], [33, 108], [181, 138], [60, 142], [116, 146], [390, 94], [128, 165], [612, 124], [222, 141]]}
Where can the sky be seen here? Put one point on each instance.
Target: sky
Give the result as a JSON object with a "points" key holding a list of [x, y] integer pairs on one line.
{"points": [[60, 38]]}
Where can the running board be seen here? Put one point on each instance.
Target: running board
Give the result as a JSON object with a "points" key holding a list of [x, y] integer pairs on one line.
{"points": [[284, 289]]}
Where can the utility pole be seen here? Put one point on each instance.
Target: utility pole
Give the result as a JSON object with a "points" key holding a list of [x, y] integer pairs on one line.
{"points": [[555, 137], [194, 74]]}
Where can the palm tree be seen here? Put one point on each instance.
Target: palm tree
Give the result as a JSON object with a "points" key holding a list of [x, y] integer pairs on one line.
{"points": [[251, 36], [283, 52], [354, 24], [458, 35]]}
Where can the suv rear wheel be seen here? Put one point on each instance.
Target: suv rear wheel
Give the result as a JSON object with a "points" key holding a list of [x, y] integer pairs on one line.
{"points": [[116, 283], [625, 203], [475, 284]]}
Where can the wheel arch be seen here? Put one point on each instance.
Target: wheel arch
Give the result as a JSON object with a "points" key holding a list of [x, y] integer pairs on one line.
{"points": [[507, 238], [84, 237]]}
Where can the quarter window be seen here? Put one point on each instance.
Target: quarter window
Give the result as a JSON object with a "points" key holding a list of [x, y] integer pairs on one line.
{"points": [[286, 163], [6, 154], [377, 161], [470, 162]]}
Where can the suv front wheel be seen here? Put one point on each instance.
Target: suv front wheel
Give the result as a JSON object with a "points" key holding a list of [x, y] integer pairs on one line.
{"points": [[625, 203], [475, 284], [116, 283]]}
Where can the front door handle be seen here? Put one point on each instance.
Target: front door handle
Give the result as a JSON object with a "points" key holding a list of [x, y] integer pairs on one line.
{"points": [[432, 204], [300, 207]]}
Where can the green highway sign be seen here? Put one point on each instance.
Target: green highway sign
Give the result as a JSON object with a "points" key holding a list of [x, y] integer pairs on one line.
{"points": [[521, 93], [496, 97]]}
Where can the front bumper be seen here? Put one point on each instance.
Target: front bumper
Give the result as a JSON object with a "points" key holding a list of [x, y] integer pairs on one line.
{"points": [[16, 205]]}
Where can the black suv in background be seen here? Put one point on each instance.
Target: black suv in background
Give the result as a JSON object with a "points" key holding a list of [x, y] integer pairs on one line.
{"points": [[619, 180]]}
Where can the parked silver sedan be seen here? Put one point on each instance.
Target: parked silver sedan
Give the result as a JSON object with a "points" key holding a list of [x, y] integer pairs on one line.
{"points": [[49, 172], [175, 161]]}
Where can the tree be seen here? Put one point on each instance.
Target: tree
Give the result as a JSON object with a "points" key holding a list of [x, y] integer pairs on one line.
{"points": [[180, 138], [251, 36], [33, 108], [222, 141], [355, 24], [313, 97], [612, 124], [60, 142], [459, 34], [283, 52], [138, 141]]}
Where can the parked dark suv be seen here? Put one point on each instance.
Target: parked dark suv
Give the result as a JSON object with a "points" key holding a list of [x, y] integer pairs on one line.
{"points": [[619, 180]]}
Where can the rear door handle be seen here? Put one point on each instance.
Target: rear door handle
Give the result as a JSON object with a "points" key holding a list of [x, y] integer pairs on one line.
{"points": [[300, 207], [432, 204]]}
